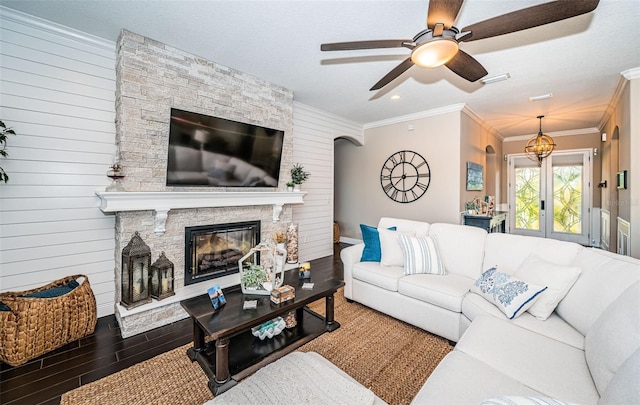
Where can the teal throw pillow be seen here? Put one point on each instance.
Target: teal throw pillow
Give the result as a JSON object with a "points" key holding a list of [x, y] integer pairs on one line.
{"points": [[371, 239]]}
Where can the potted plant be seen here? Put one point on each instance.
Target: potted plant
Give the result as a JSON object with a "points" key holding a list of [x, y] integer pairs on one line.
{"points": [[4, 131], [253, 275], [298, 175], [290, 186]]}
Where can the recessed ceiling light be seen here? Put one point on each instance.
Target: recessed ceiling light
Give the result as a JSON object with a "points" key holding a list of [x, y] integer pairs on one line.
{"points": [[541, 97], [494, 79], [395, 97]]}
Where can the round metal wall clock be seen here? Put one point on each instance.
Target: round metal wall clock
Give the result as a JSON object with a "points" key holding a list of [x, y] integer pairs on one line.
{"points": [[405, 176]]}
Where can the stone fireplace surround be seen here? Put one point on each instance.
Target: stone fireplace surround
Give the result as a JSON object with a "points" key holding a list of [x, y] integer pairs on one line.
{"points": [[138, 209], [152, 78]]}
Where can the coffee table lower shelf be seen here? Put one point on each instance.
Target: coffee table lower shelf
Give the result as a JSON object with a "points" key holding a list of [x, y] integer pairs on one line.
{"points": [[247, 353]]}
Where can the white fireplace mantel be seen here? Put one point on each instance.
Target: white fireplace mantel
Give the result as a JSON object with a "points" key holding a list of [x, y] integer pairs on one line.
{"points": [[161, 202]]}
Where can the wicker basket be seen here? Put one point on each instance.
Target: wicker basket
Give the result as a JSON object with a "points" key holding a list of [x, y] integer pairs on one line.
{"points": [[35, 326]]}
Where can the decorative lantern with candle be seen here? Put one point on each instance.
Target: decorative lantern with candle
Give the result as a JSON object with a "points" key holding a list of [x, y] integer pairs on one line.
{"points": [[136, 261], [162, 278]]}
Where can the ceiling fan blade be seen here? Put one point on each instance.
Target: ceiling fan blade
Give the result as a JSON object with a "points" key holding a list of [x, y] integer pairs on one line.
{"points": [[443, 11], [382, 43], [465, 66], [528, 18], [395, 72]]}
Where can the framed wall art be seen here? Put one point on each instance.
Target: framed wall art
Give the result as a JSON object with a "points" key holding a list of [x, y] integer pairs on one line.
{"points": [[474, 177]]}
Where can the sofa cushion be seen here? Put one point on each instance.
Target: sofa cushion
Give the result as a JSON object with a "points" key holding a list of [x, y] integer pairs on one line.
{"points": [[624, 387], [407, 226], [508, 251], [461, 248], [554, 327], [604, 277], [510, 294], [463, 379], [558, 279], [390, 250], [421, 255], [380, 276], [614, 337], [444, 291], [371, 239], [546, 365]]}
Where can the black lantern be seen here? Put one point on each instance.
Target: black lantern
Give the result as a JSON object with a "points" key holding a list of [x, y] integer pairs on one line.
{"points": [[162, 278], [136, 261]]}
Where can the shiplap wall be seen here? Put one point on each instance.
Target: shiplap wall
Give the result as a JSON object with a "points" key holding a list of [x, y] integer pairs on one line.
{"points": [[57, 91], [314, 132]]}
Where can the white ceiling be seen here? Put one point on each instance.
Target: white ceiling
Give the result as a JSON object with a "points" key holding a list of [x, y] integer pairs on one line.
{"points": [[578, 60]]}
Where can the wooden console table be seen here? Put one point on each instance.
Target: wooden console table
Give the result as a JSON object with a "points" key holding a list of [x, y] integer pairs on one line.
{"points": [[232, 352], [495, 223]]}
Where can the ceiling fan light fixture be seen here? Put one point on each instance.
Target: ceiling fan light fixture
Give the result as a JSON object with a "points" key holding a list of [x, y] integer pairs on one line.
{"points": [[540, 146], [434, 53]]}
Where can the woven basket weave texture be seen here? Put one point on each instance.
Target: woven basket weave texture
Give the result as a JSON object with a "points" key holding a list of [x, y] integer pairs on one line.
{"points": [[35, 326]]}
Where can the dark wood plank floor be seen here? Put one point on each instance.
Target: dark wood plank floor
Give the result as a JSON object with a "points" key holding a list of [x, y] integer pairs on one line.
{"points": [[45, 379]]}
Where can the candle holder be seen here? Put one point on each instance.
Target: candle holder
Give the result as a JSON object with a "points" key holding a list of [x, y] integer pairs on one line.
{"points": [[115, 173], [136, 260], [162, 278]]}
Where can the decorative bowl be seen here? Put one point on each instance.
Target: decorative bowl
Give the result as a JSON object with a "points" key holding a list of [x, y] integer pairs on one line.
{"points": [[269, 329]]}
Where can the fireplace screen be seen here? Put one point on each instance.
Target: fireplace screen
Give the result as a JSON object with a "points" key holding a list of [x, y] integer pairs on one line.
{"points": [[214, 250]]}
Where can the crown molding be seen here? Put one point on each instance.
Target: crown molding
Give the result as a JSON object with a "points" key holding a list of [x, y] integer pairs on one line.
{"points": [[414, 116], [474, 116], [55, 28], [623, 79], [557, 134], [631, 73]]}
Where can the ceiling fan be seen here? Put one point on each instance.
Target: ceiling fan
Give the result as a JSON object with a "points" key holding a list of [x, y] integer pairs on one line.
{"points": [[439, 43]]}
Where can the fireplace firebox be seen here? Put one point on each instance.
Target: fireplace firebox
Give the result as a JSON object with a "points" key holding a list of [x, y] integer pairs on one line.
{"points": [[213, 251]]}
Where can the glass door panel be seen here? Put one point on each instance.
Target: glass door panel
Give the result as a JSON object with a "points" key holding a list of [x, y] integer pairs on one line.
{"points": [[552, 200], [570, 173], [525, 194]]}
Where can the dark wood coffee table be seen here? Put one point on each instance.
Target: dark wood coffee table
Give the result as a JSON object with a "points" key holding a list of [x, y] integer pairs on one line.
{"points": [[222, 341]]}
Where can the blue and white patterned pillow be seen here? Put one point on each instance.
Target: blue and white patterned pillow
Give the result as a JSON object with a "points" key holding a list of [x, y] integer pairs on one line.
{"points": [[421, 255], [510, 294]]}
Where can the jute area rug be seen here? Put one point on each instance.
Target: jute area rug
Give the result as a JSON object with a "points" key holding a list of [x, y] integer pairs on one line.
{"points": [[390, 357]]}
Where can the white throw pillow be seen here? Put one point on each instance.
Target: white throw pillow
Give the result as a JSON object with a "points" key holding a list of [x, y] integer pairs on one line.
{"points": [[510, 294], [390, 250], [558, 279], [421, 255]]}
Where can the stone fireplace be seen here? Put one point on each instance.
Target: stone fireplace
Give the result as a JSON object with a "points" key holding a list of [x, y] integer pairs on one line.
{"points": [[152, 78]]}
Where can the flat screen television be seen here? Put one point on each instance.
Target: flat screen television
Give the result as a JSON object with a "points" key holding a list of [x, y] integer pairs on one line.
{"points": [[212, 151]]}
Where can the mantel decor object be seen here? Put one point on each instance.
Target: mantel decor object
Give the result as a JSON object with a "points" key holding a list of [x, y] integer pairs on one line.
{"points": [[115, 173], [298, 176], [162, 278], [292, 243], [136, 264]]}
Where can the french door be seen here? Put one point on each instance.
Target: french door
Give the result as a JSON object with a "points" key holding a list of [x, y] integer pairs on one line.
{"points": [[553, 200]]}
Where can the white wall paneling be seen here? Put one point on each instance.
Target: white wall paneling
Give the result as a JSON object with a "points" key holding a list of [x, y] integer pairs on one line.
{"points": [[57, 89], [314, 133]]}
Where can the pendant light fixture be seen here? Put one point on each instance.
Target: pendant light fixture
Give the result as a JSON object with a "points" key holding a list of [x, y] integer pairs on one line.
{"points": [[540, 146]]}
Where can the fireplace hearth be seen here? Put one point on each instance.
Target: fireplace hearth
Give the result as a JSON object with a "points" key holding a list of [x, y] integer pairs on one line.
{"points": [[213, 251]]}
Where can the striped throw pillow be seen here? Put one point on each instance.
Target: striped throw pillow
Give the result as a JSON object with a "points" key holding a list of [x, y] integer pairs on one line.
{"points": [[421, 255]]}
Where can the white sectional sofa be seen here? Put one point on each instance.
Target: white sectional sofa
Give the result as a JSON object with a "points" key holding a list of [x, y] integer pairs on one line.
{"points": [[586, 351]]}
